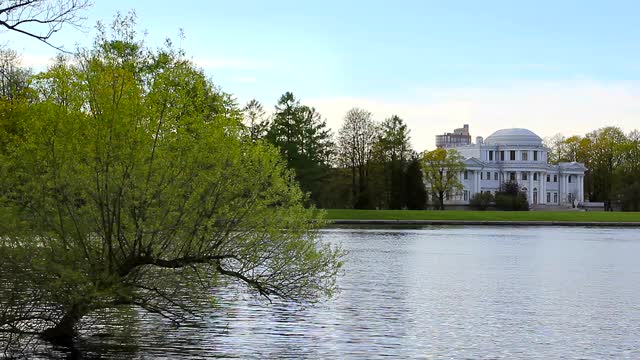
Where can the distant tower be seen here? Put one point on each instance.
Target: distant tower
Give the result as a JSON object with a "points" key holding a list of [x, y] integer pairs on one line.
{"points": [[458, 137]]}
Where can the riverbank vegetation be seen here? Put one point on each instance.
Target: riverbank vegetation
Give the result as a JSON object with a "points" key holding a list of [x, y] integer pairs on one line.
{"points": [[597, 216]]}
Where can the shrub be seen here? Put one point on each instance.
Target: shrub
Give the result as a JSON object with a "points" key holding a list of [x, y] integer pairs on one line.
{"points": [[481, 201], [511, 198]]}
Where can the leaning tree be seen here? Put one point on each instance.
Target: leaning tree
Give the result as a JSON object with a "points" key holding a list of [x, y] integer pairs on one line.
{"points": [[132, 186]]}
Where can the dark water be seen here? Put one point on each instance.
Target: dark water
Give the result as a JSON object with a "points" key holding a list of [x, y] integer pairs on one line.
{"points": [[451, 292]]}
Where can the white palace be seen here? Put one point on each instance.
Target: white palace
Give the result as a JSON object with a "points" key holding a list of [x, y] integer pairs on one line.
{"points": [[518, 155]]}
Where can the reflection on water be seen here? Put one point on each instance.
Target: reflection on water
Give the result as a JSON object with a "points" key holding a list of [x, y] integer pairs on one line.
{"points": [[449, 292]]}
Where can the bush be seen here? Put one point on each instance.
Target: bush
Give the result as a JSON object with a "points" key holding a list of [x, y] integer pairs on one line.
{"points": [[511, 198], [481, 201]]}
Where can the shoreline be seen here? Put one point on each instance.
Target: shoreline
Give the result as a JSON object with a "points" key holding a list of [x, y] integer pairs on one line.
{"points": [[485, 223]]}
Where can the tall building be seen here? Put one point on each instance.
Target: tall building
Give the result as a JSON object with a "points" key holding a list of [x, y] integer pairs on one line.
{"points": [[459, 137]]}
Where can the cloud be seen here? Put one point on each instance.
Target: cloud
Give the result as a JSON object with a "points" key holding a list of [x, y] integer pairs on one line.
{"points": [[36, 61], [547, 108]]}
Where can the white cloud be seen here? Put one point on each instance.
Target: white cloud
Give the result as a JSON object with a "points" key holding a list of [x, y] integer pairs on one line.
{"points": [[547, 108], [36, 61]]}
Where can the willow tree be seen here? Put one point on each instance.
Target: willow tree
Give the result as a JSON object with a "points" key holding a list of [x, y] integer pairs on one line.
{"points": [[133, 187]]}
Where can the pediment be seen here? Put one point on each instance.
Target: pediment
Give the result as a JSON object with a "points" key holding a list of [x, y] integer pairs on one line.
{"points": [[472, 162]]}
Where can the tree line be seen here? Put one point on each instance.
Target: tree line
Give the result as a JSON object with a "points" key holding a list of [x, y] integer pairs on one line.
{"points": [[613, 162], [369, 164]]}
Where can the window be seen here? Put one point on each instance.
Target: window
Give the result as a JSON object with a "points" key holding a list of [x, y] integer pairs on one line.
{"points": [[555, 197], [490, 155], [524, 155], [501, 155], [535, 176], [512, 176], [481, 175], [555, 178], [495, 176], [525, 176], [535, 155], [512, 155], [548, 197], [488, 175], [466, 195], [569, 178], [548, 178], [466, 175]]}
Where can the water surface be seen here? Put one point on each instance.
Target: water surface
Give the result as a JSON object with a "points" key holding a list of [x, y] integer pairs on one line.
{"points": [[440, 292]]}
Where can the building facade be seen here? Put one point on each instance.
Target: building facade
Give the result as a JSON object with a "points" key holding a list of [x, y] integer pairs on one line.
{"points": [[459, 137], [518, 155]]}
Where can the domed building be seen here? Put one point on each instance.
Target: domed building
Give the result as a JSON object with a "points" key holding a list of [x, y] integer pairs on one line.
{"points": [[518, 155]]}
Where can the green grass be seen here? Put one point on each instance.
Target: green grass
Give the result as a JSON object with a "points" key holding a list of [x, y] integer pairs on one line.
{"points": [[350, 214]]}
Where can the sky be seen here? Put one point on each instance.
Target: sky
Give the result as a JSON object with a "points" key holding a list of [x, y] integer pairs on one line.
{"points": [[553, 67]]}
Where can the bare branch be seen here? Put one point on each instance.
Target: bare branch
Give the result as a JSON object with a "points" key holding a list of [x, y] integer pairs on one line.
{"points": [[40, 19]]}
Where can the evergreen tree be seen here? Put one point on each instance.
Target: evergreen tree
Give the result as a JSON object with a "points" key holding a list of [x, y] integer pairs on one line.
{"points": [[304, 141], [415, 188]]}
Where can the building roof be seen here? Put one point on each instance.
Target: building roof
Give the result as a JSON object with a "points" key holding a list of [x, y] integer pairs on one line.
{"points": [[513, 137]]}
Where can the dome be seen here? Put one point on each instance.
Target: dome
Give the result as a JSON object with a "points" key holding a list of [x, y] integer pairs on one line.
{"points": [[513, 137]]}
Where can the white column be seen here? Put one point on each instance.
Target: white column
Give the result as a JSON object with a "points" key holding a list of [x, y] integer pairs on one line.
{"points": [[560, 188], [581, 187], [530, 175], [543, 185], [541, 194], [473, 184], [565, 186], [478, 180]]}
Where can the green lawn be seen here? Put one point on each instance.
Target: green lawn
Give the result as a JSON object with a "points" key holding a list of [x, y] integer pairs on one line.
{"points": [[350, 214]]}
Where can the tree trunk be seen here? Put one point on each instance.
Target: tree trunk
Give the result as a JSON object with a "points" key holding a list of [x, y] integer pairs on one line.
{"points": [[441, 200], [354, 191], [65, 332]]}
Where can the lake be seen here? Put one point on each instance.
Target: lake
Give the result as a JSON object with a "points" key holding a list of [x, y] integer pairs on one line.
{"points": [[439, 292]]}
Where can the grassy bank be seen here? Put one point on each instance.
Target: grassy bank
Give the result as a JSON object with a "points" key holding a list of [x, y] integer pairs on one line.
{"points": [[575, 216]]}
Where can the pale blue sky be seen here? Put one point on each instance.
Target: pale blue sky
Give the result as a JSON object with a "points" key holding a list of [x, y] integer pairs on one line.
{"points": [[552, 66]]}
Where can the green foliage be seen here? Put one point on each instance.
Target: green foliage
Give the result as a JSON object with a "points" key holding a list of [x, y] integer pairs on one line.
{"points": [[133, 179], [511, 198], [441, 170], [481, 201], [613, 162]]}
